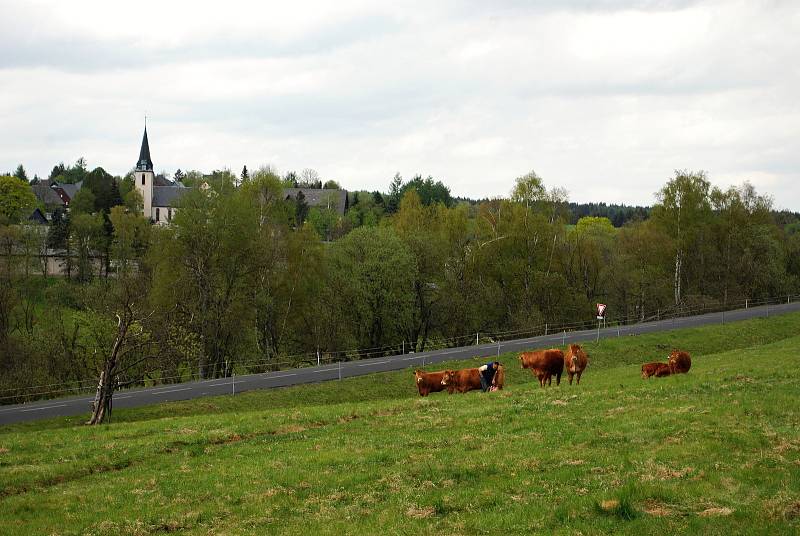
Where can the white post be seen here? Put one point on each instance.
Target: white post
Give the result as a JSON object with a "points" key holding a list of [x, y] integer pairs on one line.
{"points": [[617, 330], [787, 299], [745, 303], [317, 356], [476, 338], [498, 348], [233, 384], [598, 330], [404, 347], [340, 369], [563, 337], [545, 328]]}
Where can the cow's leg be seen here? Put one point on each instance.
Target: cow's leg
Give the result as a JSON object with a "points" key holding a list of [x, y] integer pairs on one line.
{"points": [[569, 375], [558, 379], [578, 380]]}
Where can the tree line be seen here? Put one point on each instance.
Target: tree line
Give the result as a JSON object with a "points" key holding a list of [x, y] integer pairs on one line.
{"points": [[238, 279]]}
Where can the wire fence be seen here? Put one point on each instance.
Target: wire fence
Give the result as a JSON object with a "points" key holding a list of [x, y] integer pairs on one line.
{"points": [[310, 359]]}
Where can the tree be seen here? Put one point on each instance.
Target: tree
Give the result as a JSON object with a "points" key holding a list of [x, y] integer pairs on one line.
{"points": [[301, 209], [683, 210], [395, 186], [331, 185], [16, 200], [179, 175], [309, 178], [371, 288], [529, 190], [103, 186], [83, 202], [20, 173], [245, 176]]}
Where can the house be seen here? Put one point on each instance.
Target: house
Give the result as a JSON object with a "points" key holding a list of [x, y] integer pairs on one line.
{"points": [[335, 200]]}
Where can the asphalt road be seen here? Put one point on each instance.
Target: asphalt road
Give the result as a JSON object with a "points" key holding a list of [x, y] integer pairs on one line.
{"points": [[132, 398]]}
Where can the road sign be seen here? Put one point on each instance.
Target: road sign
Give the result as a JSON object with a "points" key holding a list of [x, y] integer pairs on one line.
{"points": [[601, 311]]}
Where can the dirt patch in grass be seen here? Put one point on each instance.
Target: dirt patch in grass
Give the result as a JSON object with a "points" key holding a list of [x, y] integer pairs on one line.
{"points": [[662, 473], [290, 429], [716, 512], [4, 450], [421, 513], [657, 509]]}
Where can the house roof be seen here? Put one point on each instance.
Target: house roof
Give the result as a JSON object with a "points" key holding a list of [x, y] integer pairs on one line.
{"points": [[320, 197], [167, 196], [71, 189], [144, 163], [45, 194], [37, 217]]}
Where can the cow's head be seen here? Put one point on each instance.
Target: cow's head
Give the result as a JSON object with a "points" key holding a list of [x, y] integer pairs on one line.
{"points": [[446, 377], [418, 375], [522, 361]]}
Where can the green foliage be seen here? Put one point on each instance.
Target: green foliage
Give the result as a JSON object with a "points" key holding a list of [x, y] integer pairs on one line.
{"points": [[83, 202], [105, 189], [20, 173], [16, 200], [372, 285]]}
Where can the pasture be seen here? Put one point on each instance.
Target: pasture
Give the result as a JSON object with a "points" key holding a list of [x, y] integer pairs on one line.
{"points": [[716, 450]]}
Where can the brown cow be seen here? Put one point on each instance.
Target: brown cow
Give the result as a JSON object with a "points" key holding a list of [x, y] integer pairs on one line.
{"points": [[659, 370], [431, 382], [575, 361], [469, 379], [679, 362], [543, 364]]}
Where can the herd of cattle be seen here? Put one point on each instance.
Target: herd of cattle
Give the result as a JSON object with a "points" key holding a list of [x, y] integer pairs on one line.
{"points": [[544, 364]]}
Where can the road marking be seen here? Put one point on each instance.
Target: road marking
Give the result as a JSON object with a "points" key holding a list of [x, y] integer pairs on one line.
{"points": [[220, 383], [173, 391], [43, 407], [373, 363], [409, 358], [322, 370], [278, 376], [122, 397]]}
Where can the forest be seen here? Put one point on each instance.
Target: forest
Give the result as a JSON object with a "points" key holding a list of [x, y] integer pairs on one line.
{"points": [[244, 280]]}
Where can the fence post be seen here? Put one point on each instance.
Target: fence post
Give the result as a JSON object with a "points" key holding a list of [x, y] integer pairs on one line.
{"points": [[476, 338], [598, 330], [404, 347], [233, 384], [745, 303], [545, 328], [563, 337], [340, 369], [723, 317], [317, 356], [498, 348]]}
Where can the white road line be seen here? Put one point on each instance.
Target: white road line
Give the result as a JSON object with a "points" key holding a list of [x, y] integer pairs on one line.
{"points": [[220, 383], [373, 363], [122, 397], [43, 407], [322, 370], [173, 391], [279, 376], [410, 358]]}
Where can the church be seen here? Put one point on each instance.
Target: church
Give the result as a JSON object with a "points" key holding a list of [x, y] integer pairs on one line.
{"points": [[159, 195]]}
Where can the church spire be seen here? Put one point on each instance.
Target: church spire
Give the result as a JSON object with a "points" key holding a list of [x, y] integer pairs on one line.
{"points": [[144, 163]]}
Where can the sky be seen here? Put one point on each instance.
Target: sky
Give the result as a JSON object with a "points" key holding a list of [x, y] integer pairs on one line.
{"points": [[606, 98]]}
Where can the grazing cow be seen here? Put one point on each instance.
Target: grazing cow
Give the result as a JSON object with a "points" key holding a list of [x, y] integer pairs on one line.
{"points": [[679, 362], [575, 361], [469, 379], [431, 382], [658, 370], [543, 364]]}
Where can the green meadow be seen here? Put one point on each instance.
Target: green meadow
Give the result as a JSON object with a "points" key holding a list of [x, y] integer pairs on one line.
{"points": [[715, 451]]}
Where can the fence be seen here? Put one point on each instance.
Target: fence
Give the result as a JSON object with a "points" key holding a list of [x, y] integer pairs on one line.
{"points": [[157, 377]]}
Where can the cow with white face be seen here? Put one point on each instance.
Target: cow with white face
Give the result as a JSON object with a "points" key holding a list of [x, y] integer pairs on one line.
{"points": [[575, 361]]}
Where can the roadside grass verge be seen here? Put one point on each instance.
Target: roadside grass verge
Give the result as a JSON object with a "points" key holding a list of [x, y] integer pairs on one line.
{"points": [[713, 451]]}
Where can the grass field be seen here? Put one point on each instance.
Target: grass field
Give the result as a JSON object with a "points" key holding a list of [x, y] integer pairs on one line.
{"points": [[716, 451]]}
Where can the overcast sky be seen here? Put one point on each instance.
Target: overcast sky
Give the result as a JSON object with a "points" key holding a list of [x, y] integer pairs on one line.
{"points": [[604, 98]]}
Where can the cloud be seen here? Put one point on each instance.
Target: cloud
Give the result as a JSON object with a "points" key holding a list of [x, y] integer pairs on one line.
{"points": [[605, 99]]}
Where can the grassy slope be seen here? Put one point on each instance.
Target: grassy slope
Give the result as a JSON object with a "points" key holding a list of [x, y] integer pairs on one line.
{"points": [[368, 455]]}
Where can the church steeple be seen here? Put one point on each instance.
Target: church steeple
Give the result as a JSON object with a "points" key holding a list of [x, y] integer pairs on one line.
{"points": [[144, 163]]}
